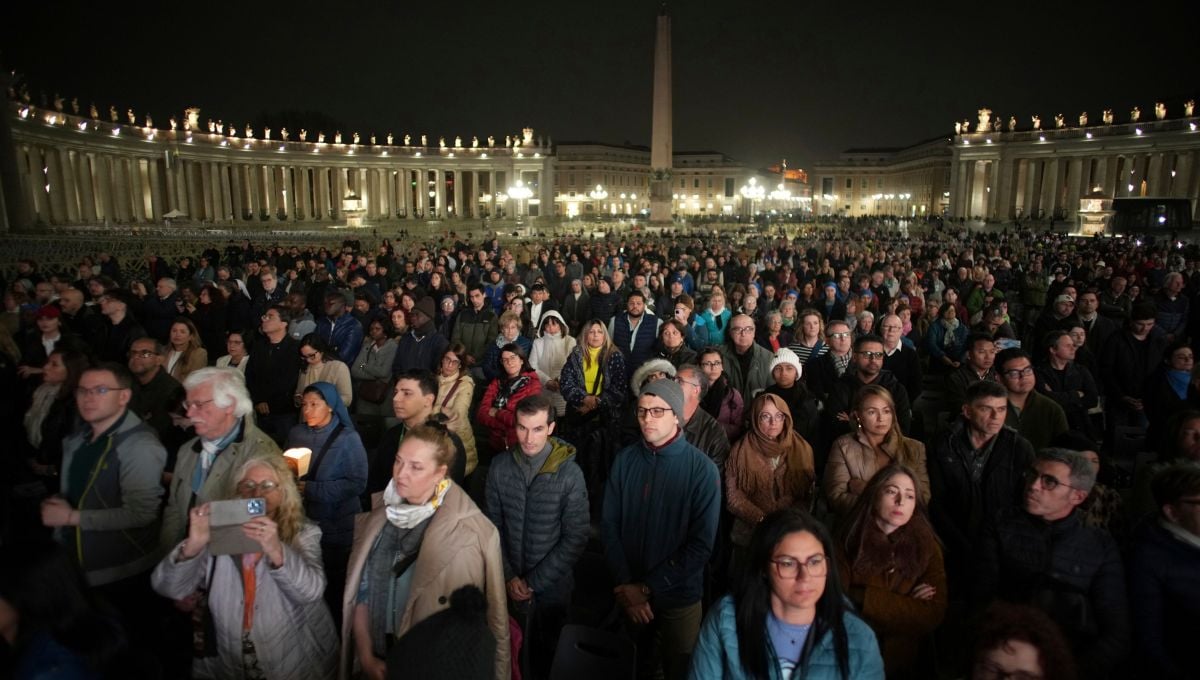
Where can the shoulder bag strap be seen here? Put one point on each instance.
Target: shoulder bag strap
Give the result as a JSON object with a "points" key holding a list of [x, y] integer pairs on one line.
{"points": [[450, 394], [316, 464]]}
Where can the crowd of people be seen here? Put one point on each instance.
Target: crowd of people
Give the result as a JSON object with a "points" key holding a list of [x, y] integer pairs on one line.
{"points": [[844, 454]]}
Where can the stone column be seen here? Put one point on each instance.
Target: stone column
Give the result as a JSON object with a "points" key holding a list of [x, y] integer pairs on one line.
{"points": [[87, 196], [137, 190], [1003, 188], [1074, 187], [53, 179], [958, 188], [122, 190], [322, 202], [1183, 174], [1154, 175], [339, 193], [157, 209], [439, 178], [1049, 186], [70, 190]]}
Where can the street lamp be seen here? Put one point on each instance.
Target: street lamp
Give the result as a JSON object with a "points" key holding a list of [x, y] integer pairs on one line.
{"points": [[753, 192], [522, 193], [598, 194]]}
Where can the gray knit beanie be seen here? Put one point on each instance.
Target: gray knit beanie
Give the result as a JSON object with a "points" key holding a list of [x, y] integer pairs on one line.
{"points": [[670, 392]]}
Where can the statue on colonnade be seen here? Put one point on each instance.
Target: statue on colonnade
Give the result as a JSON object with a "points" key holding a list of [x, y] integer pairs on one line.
{"points": [[356, 138], [1059, 121], [491, 142], [193, 118], [957, 128], [441, 142], [149, 121], [58, 102], [112, 113], [1037, 122], [1083, 119], [424, 141], [320, 138], [75, 105], [985, 117], [249, 132], [1012, 123], [1188, 107], [174, 123], [1135, 115], [130, 115], [474, 142], [337, 137], [94, 112], [266, 133], [389, 139], [457, 142], [1160, 110], [284, 134], [303, 134], [1107, 117]]}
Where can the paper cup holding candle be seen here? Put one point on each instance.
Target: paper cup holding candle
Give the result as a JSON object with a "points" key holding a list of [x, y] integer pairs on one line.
{"points": [[298, 460]]}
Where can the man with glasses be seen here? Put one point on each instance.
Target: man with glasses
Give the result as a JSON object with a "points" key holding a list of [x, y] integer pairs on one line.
{"points": [[1035, 416], [1042, 554], [866, 369], [902, 361], [107, 510], [822, 372], [272, 373], [702, 430], [747, 363], [976, 469], [661, 508], [156, 395]]}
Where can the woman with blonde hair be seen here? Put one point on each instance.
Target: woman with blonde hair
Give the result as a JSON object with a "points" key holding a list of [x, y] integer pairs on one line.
{"points": [[184, 351], [890, 562], [874, 443], [716, 316], [268, 615], [423, 540], [770, 468], [594, 385]]}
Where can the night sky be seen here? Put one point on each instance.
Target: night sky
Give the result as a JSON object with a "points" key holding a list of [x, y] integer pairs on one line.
{"points": [[757, 81]]}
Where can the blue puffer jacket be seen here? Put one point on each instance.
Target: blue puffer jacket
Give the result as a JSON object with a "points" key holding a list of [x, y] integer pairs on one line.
{"points": [[331, 498], [717, 654], [543, 525]]}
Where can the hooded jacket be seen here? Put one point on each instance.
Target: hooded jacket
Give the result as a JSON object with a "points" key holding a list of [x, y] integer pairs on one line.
{"points": [[117, 536], [544, 525], [549, 355]]}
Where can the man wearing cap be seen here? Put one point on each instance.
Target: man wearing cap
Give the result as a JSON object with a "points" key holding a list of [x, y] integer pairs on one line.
{"points": [[1060, 316], [422, 346], [340, 328], [121, 329], [661, 508]]}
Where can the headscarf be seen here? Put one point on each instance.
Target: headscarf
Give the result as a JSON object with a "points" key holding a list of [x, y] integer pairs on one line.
{"points": [[789, 445], [331, 397]]}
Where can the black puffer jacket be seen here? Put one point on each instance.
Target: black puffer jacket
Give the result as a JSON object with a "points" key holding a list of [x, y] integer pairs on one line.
{"points": [[1070, 571]]}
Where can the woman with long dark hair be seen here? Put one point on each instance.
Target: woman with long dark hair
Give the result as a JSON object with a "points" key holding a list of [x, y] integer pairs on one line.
{"points": [[787, 617], [498, 408], [890, 561]]}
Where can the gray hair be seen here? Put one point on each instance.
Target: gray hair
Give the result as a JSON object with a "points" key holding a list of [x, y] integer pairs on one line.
{"points": [[774, 315], [228, 387], [171, 283], [1171, 277], [1082, 475], [700, 376]]}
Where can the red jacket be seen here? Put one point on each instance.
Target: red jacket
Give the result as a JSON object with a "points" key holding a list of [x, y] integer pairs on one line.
{"points": [[501, 427]]}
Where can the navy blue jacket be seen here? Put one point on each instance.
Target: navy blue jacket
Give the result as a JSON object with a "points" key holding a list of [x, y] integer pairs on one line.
{"points": [[660, 516], [639, 348], [331, 498], [345, 334]]}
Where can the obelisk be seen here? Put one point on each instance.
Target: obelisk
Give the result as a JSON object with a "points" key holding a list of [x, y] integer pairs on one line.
{"points": [[661, 152]]}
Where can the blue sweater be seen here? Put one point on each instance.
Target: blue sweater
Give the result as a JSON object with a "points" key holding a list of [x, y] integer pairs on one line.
{"points": [[331, 498], [660, 519], [717, 654]]}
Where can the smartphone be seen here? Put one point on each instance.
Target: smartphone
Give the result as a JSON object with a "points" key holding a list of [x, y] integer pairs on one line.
{"points": [[225, 525]]}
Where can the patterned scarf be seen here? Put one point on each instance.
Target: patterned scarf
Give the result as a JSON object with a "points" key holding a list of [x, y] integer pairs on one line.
{"points": [[405, 515]]}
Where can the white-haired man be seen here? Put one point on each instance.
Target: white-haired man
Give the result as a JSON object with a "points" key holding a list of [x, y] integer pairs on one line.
{"points": [[219, 408]]}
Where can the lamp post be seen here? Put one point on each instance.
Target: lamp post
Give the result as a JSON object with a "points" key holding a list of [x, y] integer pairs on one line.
{"points": [[522, 193], [752, 191], [598, 194]]}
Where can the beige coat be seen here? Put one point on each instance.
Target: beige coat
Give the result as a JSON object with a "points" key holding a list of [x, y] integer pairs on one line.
{"points": [[458, 410], [851, 457], [460, 547], [188, 363], [331, 371]]}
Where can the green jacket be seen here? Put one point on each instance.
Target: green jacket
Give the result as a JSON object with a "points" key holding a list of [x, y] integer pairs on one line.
{"points": [[1040, 421]]}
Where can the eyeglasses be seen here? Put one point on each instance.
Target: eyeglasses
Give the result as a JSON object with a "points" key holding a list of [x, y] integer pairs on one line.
{"points": [[789, 567], [309, 355], [767, 418], [710, 364], [96, 391], [742, 330], [1018, 373], [451, 361], [1049, 482], [142, 353], [189, 405], [265, 486], [872, 355], [653, 412], [681, 381], [840, 335]]}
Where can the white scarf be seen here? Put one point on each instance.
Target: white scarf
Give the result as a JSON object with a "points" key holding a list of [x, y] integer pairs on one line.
{"points": [[406, 516]]}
